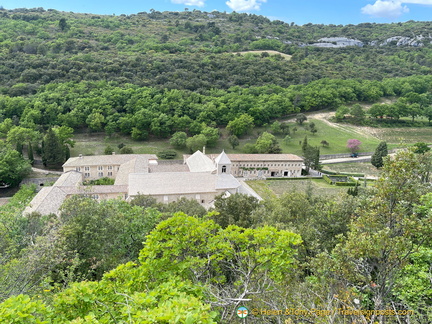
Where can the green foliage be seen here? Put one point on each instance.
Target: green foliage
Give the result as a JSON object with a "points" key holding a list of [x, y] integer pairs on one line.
{"points": [[327, 179], [233, 141], [235, 210], [385, 232], [13, 167], [21, 309], [196, 142], [311, 157], [276, 127], [167, 155], [188, 206], [104, 234], [211, 134], [357, 113], [249, 148], [105, 181], [241, 125], [380, 152], [300, 119], [341, 112], [421, 148], [267, 143], [126, 150], [178, 139], [30, 154], [108, 150], [53, 154]]}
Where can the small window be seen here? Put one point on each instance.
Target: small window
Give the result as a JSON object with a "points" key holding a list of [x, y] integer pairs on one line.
{"points": [[100, 168], [109, 174], [86, 168], [78, 169], [100, 174], [224, 168], [202, 201], [86, 175], [110, 167]]}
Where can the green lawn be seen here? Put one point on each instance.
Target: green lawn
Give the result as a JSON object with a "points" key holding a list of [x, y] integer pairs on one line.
{"points": [[271, 188], [336, 137]]}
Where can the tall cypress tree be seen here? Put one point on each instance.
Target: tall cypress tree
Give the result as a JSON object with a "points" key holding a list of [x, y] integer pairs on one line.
{"points": [[379, 154], [53, 154], [30, 153]]}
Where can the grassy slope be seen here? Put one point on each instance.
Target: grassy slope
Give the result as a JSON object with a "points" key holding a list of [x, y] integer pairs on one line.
{"points": [[337, 137]]}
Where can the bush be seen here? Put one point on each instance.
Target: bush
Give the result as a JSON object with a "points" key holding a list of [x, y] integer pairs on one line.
{"points": [[327, 179], [126, 150], [345, 184], [291, 179], [167, 155]]}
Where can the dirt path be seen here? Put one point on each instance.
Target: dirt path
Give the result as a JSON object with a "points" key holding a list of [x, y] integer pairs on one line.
{"points": [[360, 130], [46, 171]]}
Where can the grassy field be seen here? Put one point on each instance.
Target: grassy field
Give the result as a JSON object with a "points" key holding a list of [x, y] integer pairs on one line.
{"points": [[406, 135], [355, 167], [273, 188], [336, 137]]}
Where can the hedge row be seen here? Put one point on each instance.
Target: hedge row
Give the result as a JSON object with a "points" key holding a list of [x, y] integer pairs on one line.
{"points": [[303, 178], [343, 173], [327, 179], [346, 184]]}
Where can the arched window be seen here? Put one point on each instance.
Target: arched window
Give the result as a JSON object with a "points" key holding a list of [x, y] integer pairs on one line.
{"points": [[223, 168]]}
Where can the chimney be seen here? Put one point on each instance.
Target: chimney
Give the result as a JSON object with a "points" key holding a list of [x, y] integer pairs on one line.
{"points": [[80, 156], [203, 149], [113, 153]]}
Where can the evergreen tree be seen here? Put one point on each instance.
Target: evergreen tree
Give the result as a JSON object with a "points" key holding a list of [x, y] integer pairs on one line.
{"points": [[380, 152], [19, 148], [66, 152], [30, 153], [53, 151], [234, 141], [305, 144]]}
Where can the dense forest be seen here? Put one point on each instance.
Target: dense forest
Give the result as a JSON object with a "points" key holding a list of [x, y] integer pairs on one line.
{"points": [[361, 257]]}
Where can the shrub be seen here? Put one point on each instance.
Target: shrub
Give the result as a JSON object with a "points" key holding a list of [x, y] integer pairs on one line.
{"points": [[327, 179], [167, 155]]}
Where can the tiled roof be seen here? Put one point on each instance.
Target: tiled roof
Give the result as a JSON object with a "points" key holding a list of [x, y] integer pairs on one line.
{"points": [[108, 189], [264, 157], [226, 181], [222, 159], [70, 178], [116, 159], [168, 167], [47, 201], [199, 162], [168, 183], [136, 165]]}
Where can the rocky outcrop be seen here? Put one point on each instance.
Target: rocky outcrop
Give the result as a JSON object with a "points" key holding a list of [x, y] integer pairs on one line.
{"points": [[417, 41]]}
